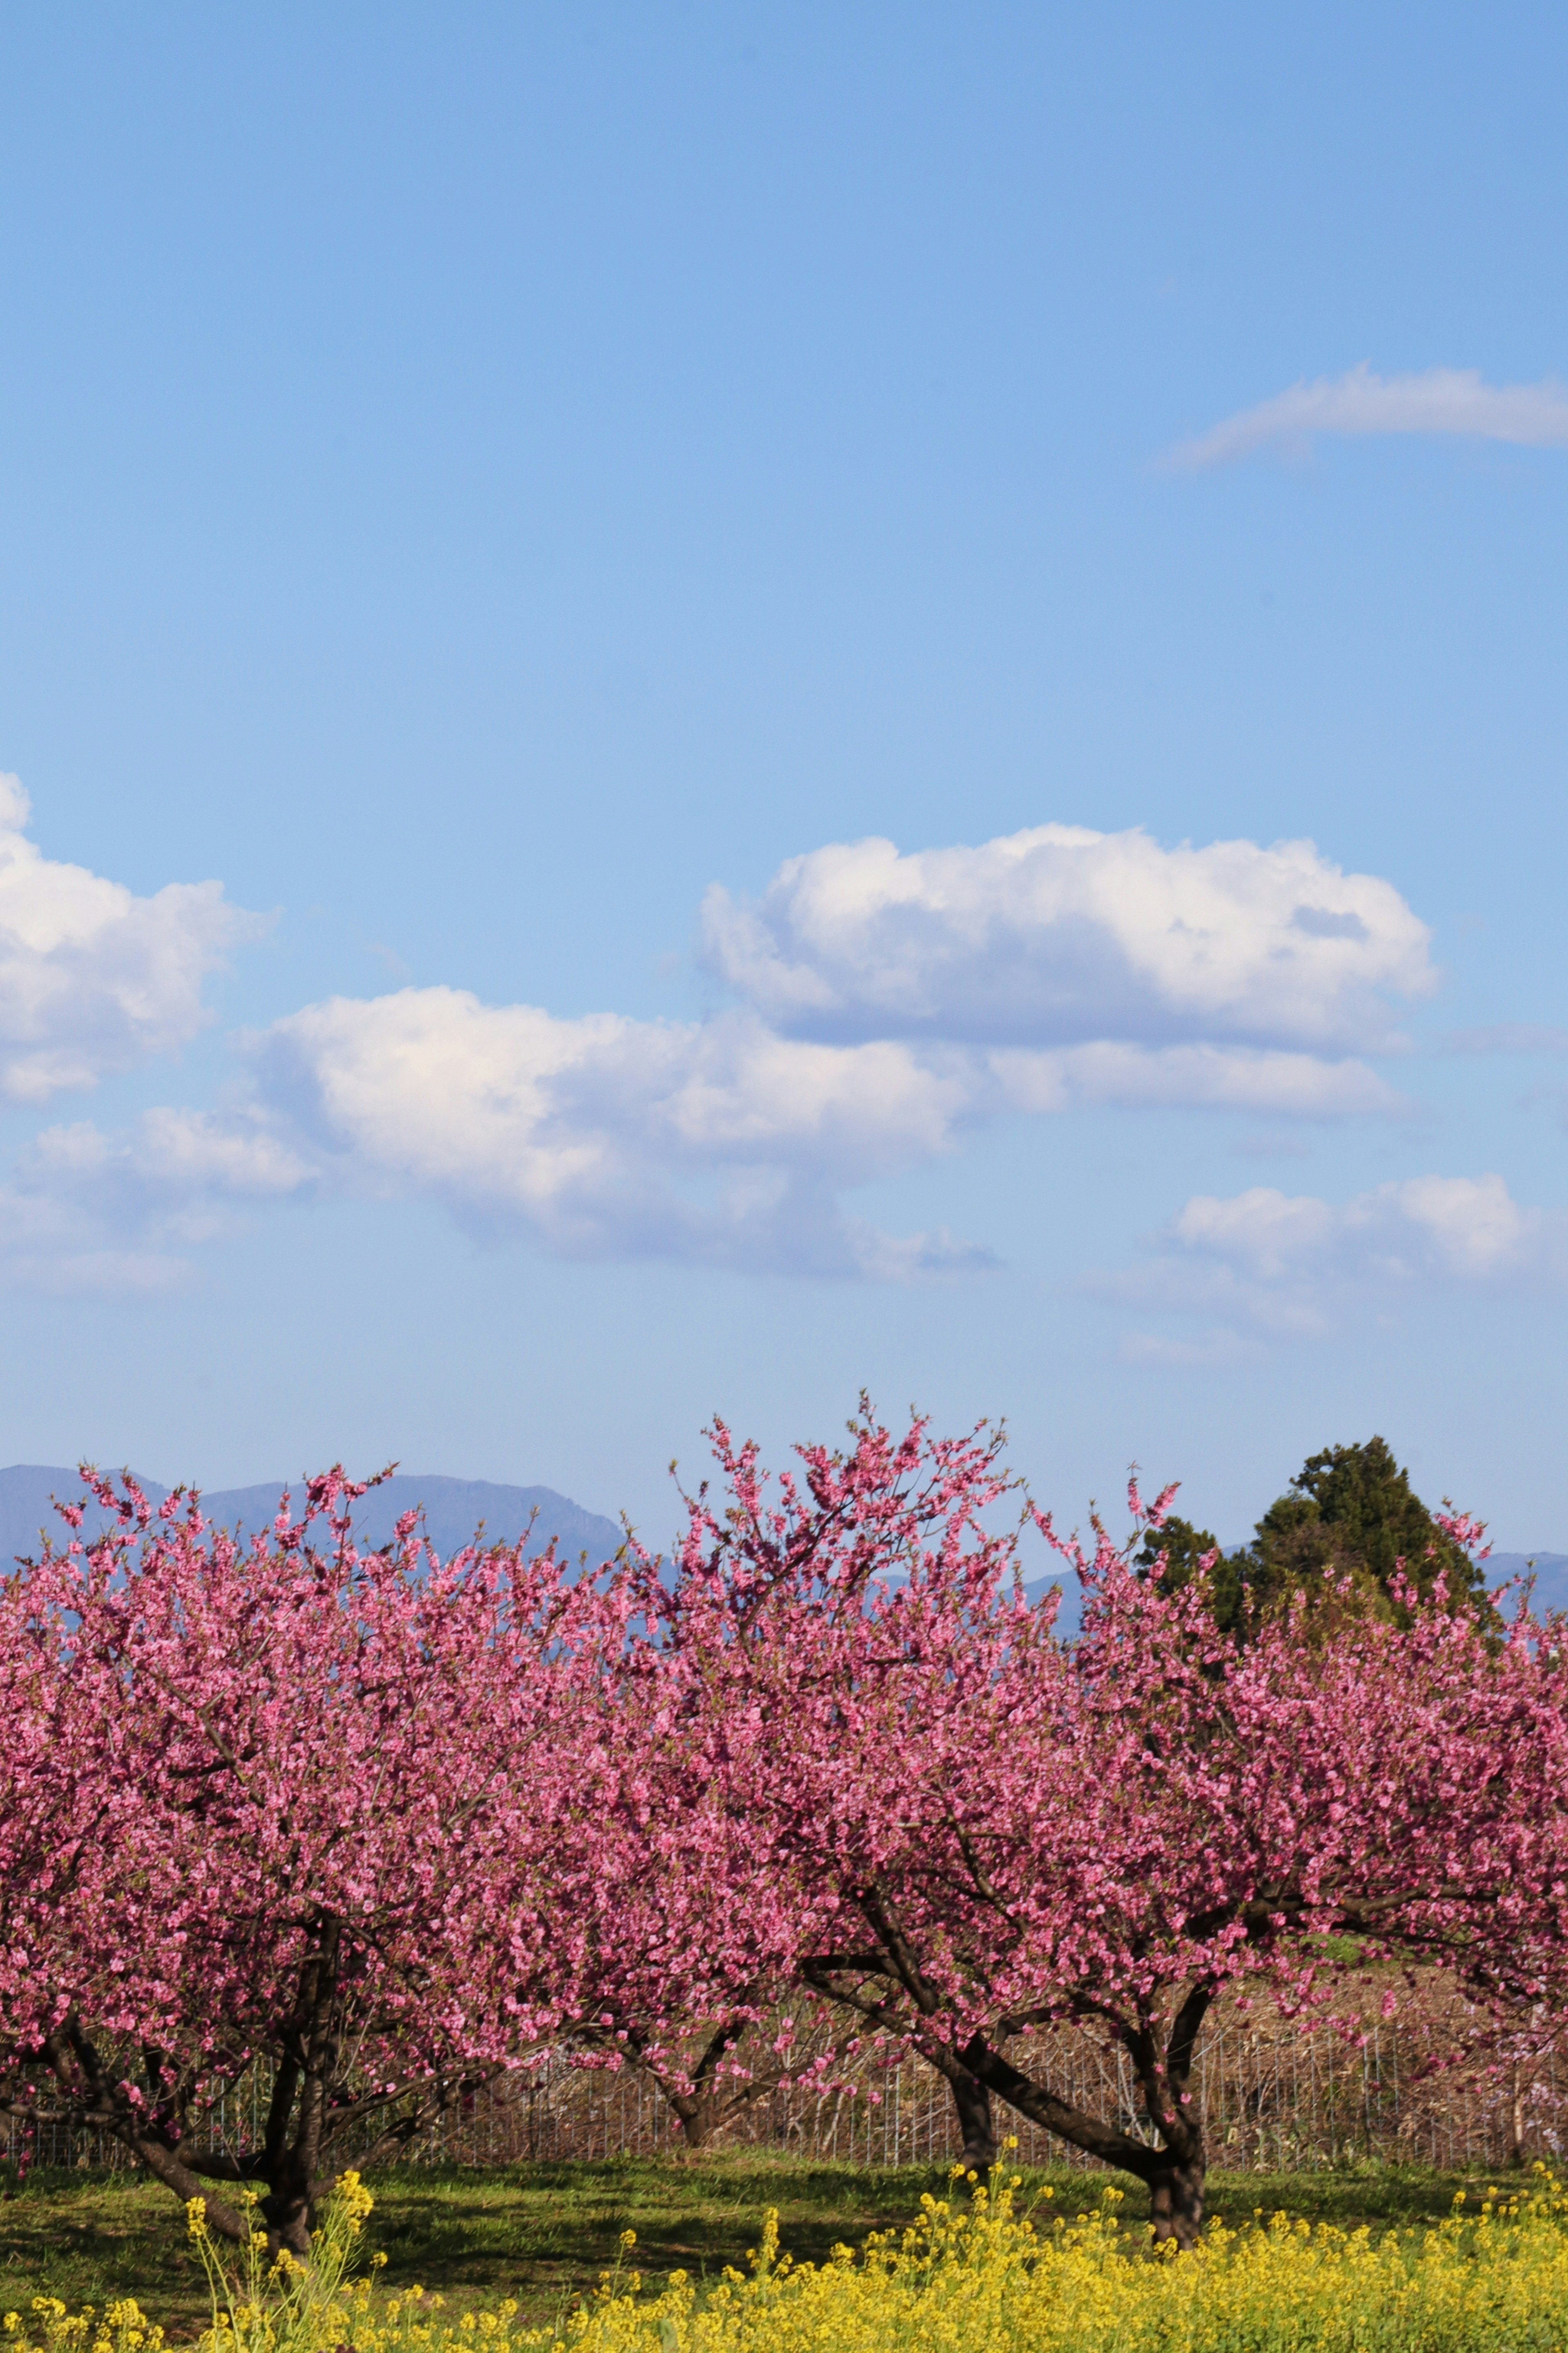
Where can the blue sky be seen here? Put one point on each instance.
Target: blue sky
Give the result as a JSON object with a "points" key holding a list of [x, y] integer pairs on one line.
{"points": [[512, 498]]}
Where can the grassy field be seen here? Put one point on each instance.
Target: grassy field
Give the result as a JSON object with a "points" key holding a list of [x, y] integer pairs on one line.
{"points": [[542, 2233]]}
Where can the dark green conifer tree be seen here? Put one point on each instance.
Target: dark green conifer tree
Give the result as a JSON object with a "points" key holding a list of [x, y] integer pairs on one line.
{"points": [[1337, 1535]]}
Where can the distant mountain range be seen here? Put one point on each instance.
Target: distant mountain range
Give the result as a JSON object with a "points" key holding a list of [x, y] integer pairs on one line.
{"points": [[453, 1508]]}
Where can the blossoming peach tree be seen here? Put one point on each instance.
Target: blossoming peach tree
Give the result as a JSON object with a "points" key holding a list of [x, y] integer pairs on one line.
{"points": [[964, 1828], [287, 1805]]}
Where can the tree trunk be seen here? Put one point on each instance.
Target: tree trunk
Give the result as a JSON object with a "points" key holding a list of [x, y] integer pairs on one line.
{"points": [[701, 2110], [89, 2091], [1176, 2199], [1516, 2154], [696, 2118], [286, 2208], [1174, 2172], [972, 2101]]}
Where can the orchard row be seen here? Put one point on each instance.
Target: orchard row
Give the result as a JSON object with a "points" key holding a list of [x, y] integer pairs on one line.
{"points": [[385, 1824]]}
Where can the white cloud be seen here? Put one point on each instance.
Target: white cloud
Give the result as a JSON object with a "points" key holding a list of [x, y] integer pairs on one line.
{"points": [[1271, 1263], [1218, 1078], [1455, 1226], [714, 1141], [718, 1139], [1060, 937], [172, 1157], [433, 1082], [1440, 400], [84, 1212], [92, 978], [896, 1004]]}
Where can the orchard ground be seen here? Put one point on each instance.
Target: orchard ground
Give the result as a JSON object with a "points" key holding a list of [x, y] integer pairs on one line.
{"points": [[544, 2233]]}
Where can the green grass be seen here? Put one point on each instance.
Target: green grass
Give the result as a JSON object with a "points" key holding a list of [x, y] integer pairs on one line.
{"points": [[542, 2233]]}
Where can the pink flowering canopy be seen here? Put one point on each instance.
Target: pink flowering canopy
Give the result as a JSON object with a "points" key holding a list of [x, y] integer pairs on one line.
{"points": [[282, 1802], [963, 1828], [382, 1825]]}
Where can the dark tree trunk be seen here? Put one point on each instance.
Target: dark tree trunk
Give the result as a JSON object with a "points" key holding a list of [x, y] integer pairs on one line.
{"points": [[289, 2207], [1176, 2199], [1175, 2170], [707, 2099], [93, 2097], [698, 2117], [701, 2102], [698, 2105], [153, 2124], [289, 2160], [1163, 2061], [972, 2101], [696, 2130], [309, 2107]]}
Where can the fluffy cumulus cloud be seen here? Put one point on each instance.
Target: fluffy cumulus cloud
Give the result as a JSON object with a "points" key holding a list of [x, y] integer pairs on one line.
{"points": [[92, 978], [887, 1005], [716, 1141], [724, 1140], [1268, 1264], [1438, 400], [1060, 937], [598, 1128]]}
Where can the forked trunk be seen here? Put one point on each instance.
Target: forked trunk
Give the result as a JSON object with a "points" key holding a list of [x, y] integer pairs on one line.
{"points": [[1174, 2167], [698, 2103]]}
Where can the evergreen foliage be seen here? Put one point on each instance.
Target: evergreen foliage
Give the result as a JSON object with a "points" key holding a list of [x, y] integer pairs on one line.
{"points": [[1347, 1528]]}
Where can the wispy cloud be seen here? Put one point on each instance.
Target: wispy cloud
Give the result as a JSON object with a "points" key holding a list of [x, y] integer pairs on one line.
{"points": [[1115, 1074], [87, 1213], [1440, 400], [1510, 1037]]}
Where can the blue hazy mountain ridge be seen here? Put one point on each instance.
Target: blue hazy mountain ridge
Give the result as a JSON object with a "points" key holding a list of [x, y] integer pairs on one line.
{"points": [[1551, 1570], [453, 1510], [456, 1508]]}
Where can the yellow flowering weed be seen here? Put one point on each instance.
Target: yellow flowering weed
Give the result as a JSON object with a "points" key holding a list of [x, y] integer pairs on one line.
{"points": [[974, 2273]]}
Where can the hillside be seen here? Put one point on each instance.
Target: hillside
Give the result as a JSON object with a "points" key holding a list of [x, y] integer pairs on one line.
{"points": [[453, 1508]]}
